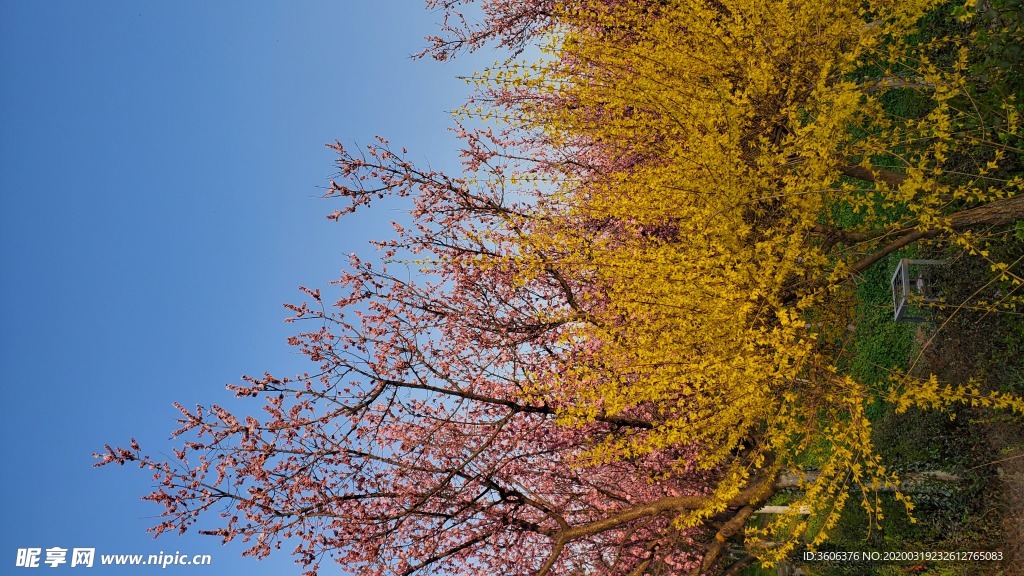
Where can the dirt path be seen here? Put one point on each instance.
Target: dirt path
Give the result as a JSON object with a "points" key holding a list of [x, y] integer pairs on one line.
{"points": [[978, 345]]}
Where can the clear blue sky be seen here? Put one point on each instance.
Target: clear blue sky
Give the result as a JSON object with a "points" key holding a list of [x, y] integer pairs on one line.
{"points": [[159, 174]]}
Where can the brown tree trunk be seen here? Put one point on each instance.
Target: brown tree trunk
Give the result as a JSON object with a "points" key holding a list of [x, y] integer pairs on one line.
{"points": [[891, 178], [995, 213]]}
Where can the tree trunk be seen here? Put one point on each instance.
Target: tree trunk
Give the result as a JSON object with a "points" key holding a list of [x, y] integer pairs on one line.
{"points": [[891, 178], [995, 213]]}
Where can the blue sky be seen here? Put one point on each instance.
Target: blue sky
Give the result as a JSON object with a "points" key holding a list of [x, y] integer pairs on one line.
{"points": [[160, 166]]}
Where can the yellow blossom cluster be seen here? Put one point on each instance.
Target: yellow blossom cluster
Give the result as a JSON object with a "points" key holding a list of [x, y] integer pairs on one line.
{"points": [[721, 135]]}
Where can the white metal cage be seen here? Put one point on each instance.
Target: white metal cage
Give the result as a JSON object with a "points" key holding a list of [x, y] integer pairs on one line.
{"points": [[913, 283]]}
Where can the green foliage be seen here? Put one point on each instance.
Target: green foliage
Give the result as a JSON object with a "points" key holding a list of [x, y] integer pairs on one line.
{"points": [[999, 47], [880, 345]]}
